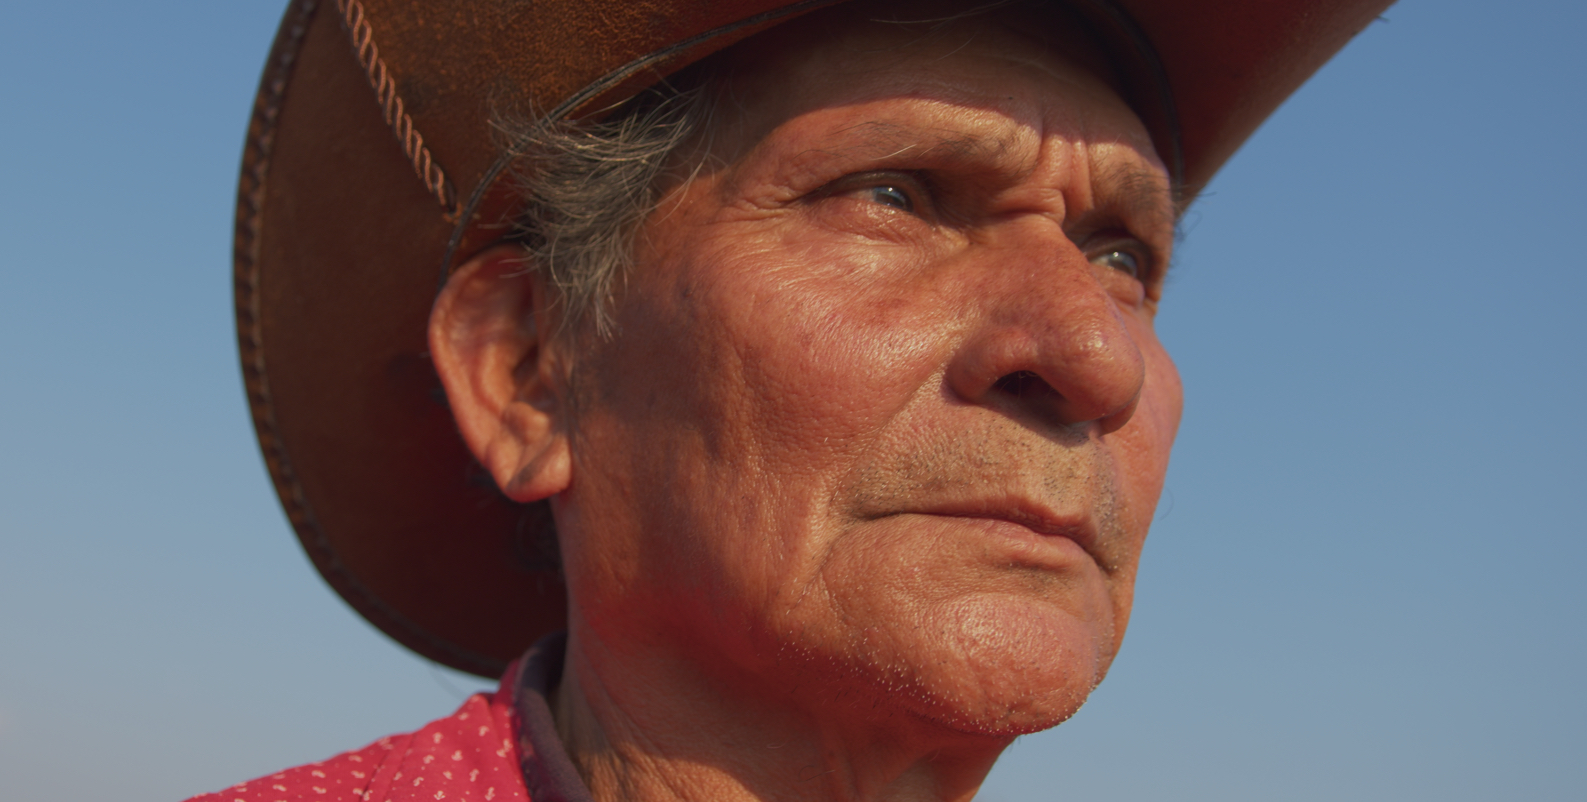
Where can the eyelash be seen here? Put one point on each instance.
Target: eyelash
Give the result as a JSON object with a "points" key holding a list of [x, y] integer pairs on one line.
{"points": [[916, 195], [905, 200], [907, 186], [1140, 257]]}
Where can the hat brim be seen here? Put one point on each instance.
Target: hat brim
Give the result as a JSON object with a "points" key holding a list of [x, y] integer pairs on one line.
{"points": [[343, 230]]}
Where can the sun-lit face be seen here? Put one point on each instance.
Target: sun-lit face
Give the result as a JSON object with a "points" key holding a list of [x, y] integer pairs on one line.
{"points": [[885, 418]]}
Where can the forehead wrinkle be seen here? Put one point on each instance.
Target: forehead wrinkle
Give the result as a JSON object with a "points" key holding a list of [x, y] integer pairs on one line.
{"points": [[889, 139]]}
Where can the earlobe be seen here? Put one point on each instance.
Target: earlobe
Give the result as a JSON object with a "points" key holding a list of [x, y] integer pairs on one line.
{"points": [[490, 345]]}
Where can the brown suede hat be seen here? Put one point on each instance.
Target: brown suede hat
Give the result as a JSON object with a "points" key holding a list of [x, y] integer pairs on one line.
{"points": [[371, 170]]}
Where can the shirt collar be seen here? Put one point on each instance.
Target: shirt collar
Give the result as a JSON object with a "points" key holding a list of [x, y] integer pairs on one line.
{"points": [[548, 772]]}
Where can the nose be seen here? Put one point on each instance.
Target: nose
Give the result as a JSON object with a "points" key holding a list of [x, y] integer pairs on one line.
{"points": [[1050, 342]]}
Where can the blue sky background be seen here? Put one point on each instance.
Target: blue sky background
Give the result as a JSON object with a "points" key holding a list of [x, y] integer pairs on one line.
{"points": [[1365, 583]]}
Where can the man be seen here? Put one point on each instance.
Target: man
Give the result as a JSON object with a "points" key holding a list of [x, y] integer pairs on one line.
{"points": [[820, 368]]}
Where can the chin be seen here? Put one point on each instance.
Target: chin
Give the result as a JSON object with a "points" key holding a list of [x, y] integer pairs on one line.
{"points": [[1001, 666], [1017, 666], [1010, 715]]}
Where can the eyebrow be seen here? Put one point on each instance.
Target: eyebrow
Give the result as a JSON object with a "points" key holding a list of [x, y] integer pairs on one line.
{"points": [[1141, 191]]}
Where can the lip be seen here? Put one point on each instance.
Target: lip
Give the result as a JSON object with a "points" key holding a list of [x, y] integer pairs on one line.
{"points": [[1037, 518]]}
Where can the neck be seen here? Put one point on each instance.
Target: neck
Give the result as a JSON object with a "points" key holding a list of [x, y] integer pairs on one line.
{"points": [[652, 729]]}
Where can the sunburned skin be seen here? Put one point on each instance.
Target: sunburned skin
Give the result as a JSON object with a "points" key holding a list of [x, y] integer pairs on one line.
{"points": [[856, 493]]}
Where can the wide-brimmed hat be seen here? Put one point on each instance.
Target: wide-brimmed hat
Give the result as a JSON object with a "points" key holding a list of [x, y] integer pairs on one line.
{"points": [[371, 169]]}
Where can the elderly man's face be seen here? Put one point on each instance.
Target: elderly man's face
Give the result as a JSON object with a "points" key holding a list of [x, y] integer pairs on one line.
{"points": [[885, 418]]}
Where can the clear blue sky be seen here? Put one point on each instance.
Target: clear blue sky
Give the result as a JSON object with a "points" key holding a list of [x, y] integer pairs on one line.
{"points": [[1367, 577]]}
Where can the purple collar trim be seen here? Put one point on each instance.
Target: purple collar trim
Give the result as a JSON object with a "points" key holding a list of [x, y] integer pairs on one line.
{"points": [[548, 772]]}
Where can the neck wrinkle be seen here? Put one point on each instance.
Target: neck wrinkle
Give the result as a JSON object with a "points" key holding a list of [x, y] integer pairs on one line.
{"points": [[675, 737]]}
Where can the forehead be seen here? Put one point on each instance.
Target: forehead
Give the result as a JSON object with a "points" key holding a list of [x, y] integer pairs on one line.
{"points": [[883, 78]]}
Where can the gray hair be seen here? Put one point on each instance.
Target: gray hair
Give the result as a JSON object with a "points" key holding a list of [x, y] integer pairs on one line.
{"points": [[588, 187]]}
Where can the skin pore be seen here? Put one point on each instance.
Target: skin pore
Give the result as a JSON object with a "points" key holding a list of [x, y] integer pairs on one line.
{"points": [[856, 493]]}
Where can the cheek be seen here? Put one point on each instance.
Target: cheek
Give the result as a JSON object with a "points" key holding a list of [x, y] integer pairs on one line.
{"points": [[1149, 437], [813, 348], [828, 353], [1141, 451], [743, 384]]}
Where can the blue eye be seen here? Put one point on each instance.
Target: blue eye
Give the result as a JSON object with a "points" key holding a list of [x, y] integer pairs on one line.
{"points": [[889, 195], [1122, 261]]}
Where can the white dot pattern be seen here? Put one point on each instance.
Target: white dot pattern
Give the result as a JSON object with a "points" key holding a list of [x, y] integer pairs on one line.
{"points": [[468, 755]]}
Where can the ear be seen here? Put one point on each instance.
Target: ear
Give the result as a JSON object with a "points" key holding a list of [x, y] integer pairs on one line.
{"points": [[489, 341]]}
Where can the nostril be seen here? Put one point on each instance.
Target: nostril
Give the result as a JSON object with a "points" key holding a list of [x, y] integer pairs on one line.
{"points": [[1020, 383]]}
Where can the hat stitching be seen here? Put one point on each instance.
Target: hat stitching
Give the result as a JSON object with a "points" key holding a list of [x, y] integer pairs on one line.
{"points": [[425, 165], [250, 209]]}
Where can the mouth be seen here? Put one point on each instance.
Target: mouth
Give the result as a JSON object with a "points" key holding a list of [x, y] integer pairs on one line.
{"points": [[1047, 524]]}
